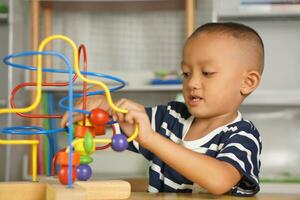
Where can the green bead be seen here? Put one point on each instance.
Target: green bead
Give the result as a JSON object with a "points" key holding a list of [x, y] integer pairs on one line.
{"points": [[86, 159], [88, 143]]}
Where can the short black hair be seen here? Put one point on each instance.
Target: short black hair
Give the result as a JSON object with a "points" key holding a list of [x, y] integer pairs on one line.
{"points": [[236, 30]]}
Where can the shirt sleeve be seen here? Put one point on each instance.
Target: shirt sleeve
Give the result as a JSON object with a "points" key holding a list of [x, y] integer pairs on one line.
{"points": [[242, 150]]}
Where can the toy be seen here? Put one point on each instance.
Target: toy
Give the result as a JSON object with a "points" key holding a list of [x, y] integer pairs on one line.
{"points": [[72, 164]]}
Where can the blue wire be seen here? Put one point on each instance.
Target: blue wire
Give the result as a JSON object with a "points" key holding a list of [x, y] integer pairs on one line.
{"points": [[39, 130], [22, 130], [53, 53], [70, 136], [30, 53], [61, 102], [67, 62]]}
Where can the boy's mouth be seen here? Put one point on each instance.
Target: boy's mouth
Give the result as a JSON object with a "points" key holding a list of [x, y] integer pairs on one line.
{"points": [[194, 100]]}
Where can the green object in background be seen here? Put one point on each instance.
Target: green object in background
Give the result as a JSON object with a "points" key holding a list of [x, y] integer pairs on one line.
{"points": [[166, 74], [3, 8], [281, 180], [282, 177], [46, 126]]}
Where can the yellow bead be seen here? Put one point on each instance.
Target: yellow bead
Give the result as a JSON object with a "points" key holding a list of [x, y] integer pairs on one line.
{"points": [[87, 122], [79, 148]]}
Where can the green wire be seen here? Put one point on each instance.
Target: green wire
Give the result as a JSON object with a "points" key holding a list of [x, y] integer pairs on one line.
{"points": [[45, 138]]}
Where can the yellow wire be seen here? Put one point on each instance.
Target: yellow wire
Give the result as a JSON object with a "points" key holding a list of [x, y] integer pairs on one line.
{"points": [[19, 142], [77, 70], [38, 92], [34, 162], [34, 144], [81, 140], [38, 99]]}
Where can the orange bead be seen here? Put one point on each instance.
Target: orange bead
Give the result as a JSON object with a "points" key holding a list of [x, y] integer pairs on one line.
{"points": [[80, 131], [63, 158]]}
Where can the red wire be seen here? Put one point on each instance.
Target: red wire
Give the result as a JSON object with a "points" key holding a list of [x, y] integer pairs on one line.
{"points": [[84, 98], [14, 91], [84, 105], [107, 145]]}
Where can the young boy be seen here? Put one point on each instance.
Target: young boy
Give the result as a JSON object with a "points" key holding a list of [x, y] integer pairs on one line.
{"points": [[204, 143]]}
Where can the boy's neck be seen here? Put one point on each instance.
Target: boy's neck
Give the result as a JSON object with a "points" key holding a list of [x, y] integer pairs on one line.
{"points": [[201, 127]]}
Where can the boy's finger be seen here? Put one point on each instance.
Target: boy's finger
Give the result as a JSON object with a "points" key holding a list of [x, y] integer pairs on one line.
{"points": [[77, 118], [129, 118], [64, 120], [120, 117]]}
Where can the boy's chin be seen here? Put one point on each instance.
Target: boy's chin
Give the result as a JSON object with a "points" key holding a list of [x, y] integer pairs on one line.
{"points": [[197, 113]]}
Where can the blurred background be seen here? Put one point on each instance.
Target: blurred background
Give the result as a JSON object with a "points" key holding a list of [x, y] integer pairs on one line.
{"points": [[141, 41]]}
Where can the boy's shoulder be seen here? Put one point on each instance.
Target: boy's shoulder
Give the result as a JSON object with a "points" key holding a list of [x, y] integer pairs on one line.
{"points": [[242, 126], [176, 107]]}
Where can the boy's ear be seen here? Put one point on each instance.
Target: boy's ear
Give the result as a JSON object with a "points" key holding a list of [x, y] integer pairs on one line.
{"points": [[250, 82]]}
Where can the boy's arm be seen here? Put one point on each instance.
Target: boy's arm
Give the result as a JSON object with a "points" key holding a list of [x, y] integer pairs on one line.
{"points": [[217, 177]]}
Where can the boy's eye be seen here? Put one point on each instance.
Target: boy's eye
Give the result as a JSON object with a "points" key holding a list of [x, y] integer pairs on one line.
{"points": [[207, 73], [185, 74]]}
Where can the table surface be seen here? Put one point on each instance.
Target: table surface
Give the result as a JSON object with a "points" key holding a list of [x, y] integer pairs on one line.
{"points": [[174, 196], [139, 187], [39, 190]]}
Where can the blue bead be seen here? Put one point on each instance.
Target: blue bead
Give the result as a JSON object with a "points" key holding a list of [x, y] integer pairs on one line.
{"points": [[119, 142], [84, 172]]}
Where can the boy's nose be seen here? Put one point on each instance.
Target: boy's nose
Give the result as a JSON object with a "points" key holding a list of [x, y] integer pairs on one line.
{"points": [[194, 82]]}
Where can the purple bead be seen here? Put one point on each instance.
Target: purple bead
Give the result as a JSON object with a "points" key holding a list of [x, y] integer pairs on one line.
{"points": [[119, 142], [84, 172]]}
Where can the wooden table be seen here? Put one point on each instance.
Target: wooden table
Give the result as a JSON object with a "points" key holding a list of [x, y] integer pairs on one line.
{"points": [[174, 196], [49, 189]]}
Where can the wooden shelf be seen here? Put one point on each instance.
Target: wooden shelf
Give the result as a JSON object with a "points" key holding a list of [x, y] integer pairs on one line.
{"points": [[147, 88], [259, 97], [258, 14], [140, 88], [274, 97], [262, 11]]}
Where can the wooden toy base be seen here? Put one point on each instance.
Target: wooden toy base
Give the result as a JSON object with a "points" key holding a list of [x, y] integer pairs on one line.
{"points": [[51, 189]]}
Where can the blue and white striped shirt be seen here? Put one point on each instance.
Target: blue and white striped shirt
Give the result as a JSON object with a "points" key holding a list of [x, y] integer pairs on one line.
{"points": [[237, 143]]}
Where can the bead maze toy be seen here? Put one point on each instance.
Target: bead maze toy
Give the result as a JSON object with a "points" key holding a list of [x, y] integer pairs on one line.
{"points": [[73, 160]]}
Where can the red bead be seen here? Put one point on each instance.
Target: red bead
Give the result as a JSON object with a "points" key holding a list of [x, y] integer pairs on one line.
{"points": [[99, 117], [100, 130], [63, 174]]}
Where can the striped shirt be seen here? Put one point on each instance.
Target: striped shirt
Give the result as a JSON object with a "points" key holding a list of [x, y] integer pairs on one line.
{"points": [[237, 143]]}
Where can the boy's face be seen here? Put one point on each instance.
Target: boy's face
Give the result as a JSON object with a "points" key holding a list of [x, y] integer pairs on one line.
{"points": [[213, 71]]}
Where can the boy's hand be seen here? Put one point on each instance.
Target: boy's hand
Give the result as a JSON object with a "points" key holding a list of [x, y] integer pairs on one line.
{"points": [[136, 115]]}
